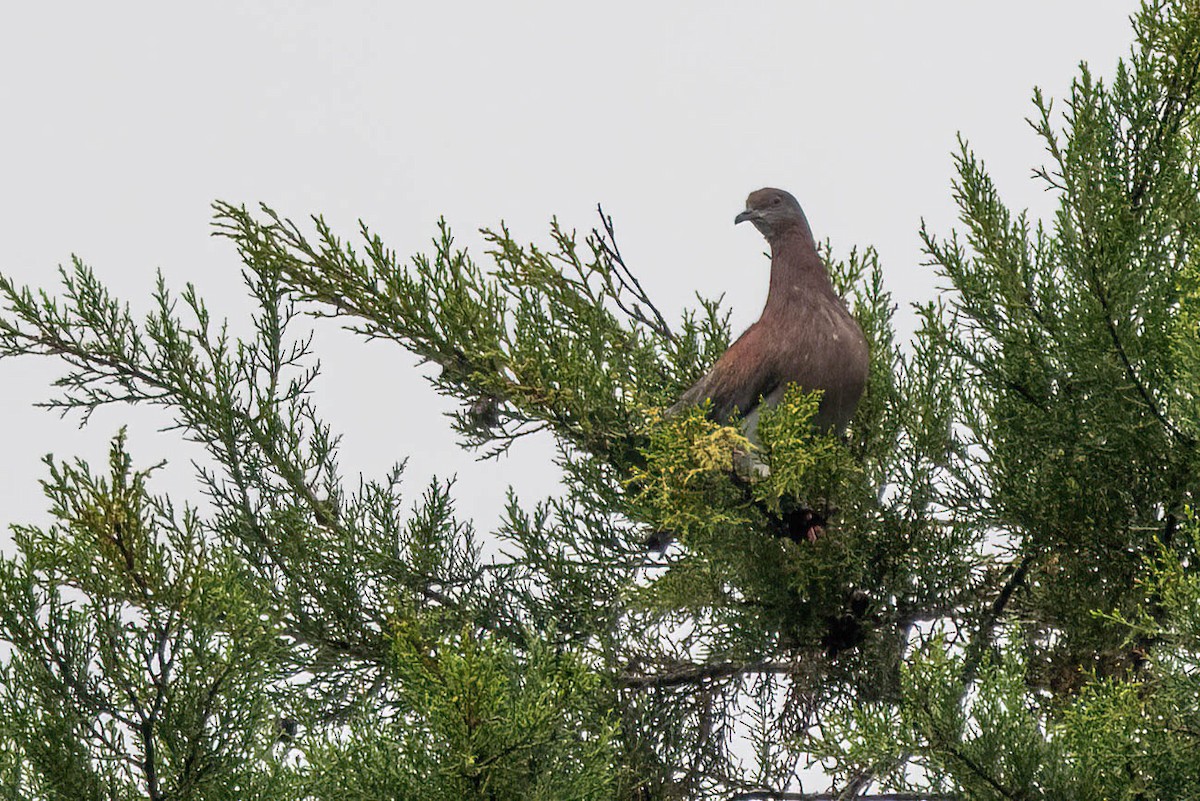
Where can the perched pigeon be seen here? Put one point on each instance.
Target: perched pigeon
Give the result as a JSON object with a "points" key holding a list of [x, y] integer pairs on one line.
{"points": [[805, 335]]}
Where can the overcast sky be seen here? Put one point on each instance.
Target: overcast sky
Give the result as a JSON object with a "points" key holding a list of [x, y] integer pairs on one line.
{"points": [[122, 122]]}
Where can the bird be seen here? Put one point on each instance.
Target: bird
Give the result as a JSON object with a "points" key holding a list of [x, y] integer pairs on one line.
{"points": [[805, 335]]}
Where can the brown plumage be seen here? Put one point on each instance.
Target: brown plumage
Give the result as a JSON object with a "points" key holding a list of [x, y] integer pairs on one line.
{"points": [[805, 335]]}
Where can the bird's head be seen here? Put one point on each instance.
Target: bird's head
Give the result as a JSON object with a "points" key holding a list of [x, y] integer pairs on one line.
{"points": [[773, 212]]}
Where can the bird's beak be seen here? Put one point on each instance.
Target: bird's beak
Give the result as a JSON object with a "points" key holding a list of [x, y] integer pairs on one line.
{"points": [[745, 215]]}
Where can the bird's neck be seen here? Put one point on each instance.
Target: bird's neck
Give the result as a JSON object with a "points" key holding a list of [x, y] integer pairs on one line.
{"points": [[797, 273]]}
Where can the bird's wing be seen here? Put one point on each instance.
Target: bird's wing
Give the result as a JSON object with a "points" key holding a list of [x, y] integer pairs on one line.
{"points": [[742, 375]]}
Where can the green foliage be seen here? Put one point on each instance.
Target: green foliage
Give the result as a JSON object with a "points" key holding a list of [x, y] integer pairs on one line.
{"points": [[1139, 738], [479, 722], [140, 664], [686, 484], [1184, 344], [1076, 342], [985, 742], [803, 464], [992, 738], [1074, 335], [558, 339], [333, 567], [985, 588], [754, 559]]}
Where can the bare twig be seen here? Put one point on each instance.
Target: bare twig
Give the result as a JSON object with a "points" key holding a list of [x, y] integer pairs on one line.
{"points": [[605, 243]]}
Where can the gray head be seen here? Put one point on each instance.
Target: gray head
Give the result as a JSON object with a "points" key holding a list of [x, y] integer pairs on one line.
{"points": [[774, 212]]}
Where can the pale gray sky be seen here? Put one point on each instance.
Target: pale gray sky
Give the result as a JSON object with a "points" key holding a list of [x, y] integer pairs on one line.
{"points": [[123, 121]]}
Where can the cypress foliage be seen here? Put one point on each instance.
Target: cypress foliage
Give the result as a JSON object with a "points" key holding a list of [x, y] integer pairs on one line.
{"points": [[985, 589]]}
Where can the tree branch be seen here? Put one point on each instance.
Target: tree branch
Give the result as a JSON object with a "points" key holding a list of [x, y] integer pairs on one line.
{"points": [[772, 795], [691, 673]]}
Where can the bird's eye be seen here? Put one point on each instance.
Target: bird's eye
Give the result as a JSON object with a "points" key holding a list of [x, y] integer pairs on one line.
{"points": [[775, 201]]}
